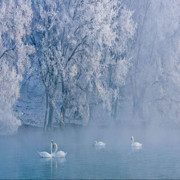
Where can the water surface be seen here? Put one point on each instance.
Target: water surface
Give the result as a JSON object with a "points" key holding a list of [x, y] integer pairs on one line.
{"points": [[159, 157]]}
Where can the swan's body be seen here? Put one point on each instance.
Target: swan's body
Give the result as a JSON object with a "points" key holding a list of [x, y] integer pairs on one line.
{"points": [[59, 154], [99, 144], [135, 144], [45, 154]]}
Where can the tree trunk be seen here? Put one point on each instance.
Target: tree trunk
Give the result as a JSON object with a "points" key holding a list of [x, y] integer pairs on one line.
{"points": [[47, 112], [51, 113], [63, 111], [63, 108], [48, 121], [114, 108]]}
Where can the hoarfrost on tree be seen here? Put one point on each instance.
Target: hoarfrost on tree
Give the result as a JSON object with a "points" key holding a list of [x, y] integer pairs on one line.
{"points": [[14, 26], [77, 44]]}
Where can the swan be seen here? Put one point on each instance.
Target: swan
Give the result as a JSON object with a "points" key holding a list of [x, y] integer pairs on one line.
{"points": [[135, 144], [99, 144], [59, 154], [45, 154]]}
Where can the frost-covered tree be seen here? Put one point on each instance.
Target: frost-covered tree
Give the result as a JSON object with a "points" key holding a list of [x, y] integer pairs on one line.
{"points": [[152, 91], [80, 52], [14, 26], [116, 59]]}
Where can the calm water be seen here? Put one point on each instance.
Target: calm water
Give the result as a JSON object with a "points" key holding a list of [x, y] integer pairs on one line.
{"points": [[159, 158]]}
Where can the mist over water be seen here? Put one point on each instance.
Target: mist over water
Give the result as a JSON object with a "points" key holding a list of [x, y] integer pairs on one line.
{"points": [[157, 159]]}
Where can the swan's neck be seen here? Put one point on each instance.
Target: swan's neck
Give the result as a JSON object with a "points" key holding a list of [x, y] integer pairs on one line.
{"points": [[132, 140], [51, 147], [56, 148]]}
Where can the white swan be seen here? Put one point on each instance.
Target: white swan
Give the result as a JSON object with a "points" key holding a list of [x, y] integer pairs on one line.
{"points": [[59, 154], [136, 145], [99, 144], [45, 154]]}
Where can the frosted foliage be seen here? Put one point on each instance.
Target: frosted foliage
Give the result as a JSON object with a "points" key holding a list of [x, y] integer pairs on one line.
{"points": [[8, 123], [112, 72], [14, 24], [9, 89], [9, 92], [76, 42], [153, 87], [73, 71], [15, 20], [103, 16], [121, 72], [126, 23]]}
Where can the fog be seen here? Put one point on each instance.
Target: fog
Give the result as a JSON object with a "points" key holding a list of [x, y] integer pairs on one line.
{"points": [[80, 137], [158, 157]]}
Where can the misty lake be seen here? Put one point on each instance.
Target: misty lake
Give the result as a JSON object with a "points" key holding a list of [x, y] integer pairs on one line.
{"points": [[159, 157]]}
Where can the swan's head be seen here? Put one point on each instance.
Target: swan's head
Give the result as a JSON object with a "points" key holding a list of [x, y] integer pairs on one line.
{"points": [[52, 141], [95, 142]]}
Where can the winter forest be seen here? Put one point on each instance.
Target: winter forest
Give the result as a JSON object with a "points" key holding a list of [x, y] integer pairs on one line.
{"points": [[89, 62]]}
